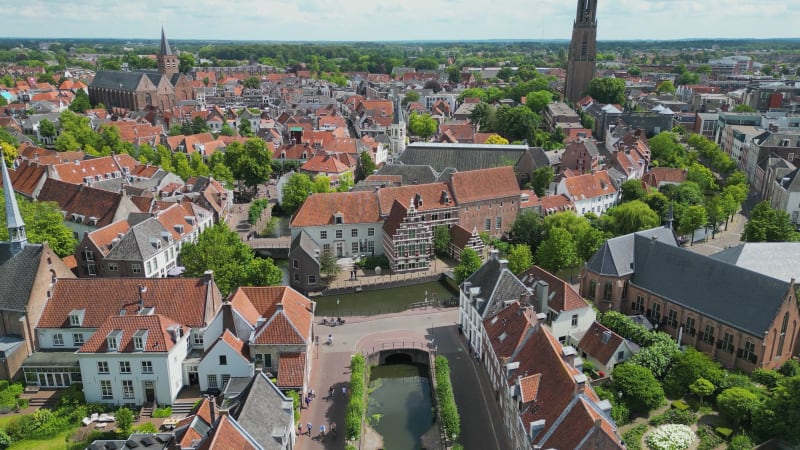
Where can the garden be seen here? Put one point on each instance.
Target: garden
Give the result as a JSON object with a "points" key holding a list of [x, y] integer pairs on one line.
{"points": [[665, 398]]}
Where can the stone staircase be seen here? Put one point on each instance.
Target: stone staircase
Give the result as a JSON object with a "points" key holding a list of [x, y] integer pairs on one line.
{"points": [[43, 402], [182, 408], [147, 410]]}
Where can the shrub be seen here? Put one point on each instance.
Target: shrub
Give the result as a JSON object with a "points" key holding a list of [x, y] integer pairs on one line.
{"points": [[371, 262], [356, 405], [72, 396], [3, 385], [724, 432], [162, 413], [45, 424], [670, 437], [5, 440], [680, 405], [296, 404], [741, 442], [708, 439], [144, 428], [767, 377], [124, 418], [451, 421], [682, 417], [254, 213], [633, 437]]}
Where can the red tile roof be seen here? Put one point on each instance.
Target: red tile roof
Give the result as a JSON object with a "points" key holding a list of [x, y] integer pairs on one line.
{"points": [[76, 172], [236, 344], [159, 339], [565, 297], [103, 238], [431, 194], [529, 387], [27, 177], [483, 184], [592, 343], [291, 370], [552, 204], [86, 201], [184, 300], [506, 329], [355, 207], [289, 325], [584, 428], [228, 436], [590, 185], [325, 163]]}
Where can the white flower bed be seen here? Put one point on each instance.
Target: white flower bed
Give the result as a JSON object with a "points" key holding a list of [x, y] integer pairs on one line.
{"points": [[670, 437]]}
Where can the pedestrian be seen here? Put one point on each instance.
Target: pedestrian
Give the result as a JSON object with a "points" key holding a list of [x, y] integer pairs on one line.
{"points": [[330, 392], [299, 429], [330, 339], [309, 427], [311, 393], [333, 429], [344, 391], [322, 430], [308, 401]]}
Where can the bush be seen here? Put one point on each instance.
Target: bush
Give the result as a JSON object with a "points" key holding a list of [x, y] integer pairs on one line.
{"points": [[5, 440], [680, 405], [767, 377], [162, 413], [682, 417], [451, 421], [296, 404], [124, 418], [724, 432], [371, 262], [356, 405], [3, 385], [633, 437], [258, 207], [741, 442], [72, 396], [671, 437], [145, 428], [708, 439]]}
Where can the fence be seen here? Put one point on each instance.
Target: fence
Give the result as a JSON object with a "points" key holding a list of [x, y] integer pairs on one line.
{"points": [[375, 283]]}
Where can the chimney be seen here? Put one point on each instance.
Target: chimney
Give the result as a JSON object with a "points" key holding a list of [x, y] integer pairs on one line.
{"points": [[542, 290], [212, 408], [503, 263], [208, 276], [142, 290], [279, 307], [568, 355], [494, 254], [580, 382], [223, 412]]}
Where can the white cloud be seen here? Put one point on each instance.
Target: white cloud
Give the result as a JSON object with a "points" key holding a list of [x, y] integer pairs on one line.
{"points": [[409, 20]]}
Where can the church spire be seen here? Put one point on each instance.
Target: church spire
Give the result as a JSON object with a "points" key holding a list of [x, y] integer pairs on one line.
{"points": [[16, 227], [165, 49]]}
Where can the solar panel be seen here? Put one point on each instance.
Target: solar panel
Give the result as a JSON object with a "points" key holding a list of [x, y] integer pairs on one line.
{"points": [[131, 444], [148, 441]]}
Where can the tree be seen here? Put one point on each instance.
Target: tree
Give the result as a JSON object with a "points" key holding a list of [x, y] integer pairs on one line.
{"points": [[43, 222], [589, 242], [737, 404], [528, 229], [701, 175], [768, 225], [366, 166], [181, 165], [328, 265], [688, 366], [496, 139], [234, 263], [470, 262], [665, 87], [345, 182], [693, 217], [519, 258], [185, 62], [124, 418], [634, 71], [252, 82], [250, 163], [541, 179], [410, 97], [537, 101], [632, 190], [297, 189], [245, 129], [47, 129], [422, 125], [633, 216], [640, 389], [441, 240], [517, 123], [81, 102], [687, 78], [743, 108], [9, 152], [227, 130], [558, 251], [608, 90], [741, 442], [426, 64], [484, 116], [657, 356], [453, 74], [702, 388]]}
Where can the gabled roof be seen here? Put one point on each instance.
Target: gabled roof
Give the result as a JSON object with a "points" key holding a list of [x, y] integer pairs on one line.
{"points": [[497, 285], [506, 329], [159, 337], [590, 185], [600, 342], [139, 243], [432, 195], [237, 345], [292, 368], [707, 285], [289, 314], [461, 156], [103, 238], [483, 184], [26, 177], [17, 275], [615, 257], [321, 209], [188, 301], [228, 435], [565, 298], [779, 260], [91, 204], [264, 413], [410, 174]]}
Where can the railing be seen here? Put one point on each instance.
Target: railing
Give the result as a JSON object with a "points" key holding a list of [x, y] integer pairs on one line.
{"points": [[436, 303], [371, 283]]}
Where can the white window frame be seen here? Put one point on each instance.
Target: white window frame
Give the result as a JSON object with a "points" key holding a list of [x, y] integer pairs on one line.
{"points": [[77, 339], [147, 366], [106, 391], [58, 340], [125, 367], [127, 389], [102, 367]]}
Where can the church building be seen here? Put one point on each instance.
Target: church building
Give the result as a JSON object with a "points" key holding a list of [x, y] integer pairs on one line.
{"points": [[582, 51], [144, 89]]}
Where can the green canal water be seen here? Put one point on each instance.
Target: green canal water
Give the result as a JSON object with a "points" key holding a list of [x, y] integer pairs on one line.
{"points": [[382, 301], [400, 407]]}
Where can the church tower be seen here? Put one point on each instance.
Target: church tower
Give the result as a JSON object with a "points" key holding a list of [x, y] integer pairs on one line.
{"points": [[16, 227], [582, 51], [167, 62], [397, 130]]}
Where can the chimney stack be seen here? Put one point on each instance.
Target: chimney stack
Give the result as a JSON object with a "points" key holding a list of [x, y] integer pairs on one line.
{"points": [[212, 408], [208, 276], [494, 254], [142, 290]]}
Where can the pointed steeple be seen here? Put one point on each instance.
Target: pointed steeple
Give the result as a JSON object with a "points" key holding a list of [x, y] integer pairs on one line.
{"points": [[398, 111], [16, 227], [165, 49]]}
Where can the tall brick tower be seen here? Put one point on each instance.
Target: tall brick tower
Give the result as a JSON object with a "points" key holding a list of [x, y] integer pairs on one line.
{"points": [[167, 61], [582, 51]]}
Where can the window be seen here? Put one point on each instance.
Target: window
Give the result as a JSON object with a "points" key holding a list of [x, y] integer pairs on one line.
{"points": [[326, 248], [620, 356], [370, 246], [295, 264], [574, 320], [690, 326], [77, 339], [592, 289], [656, 314], [74, 320], [672, 319], [267, 358], [198, 339], [212, 381], [354, 232], [339, 234], [727, 343], [312, 279], [88, 255], [105, 389], [370, 231], [749, 351], [147, 266], [783, 333], [223, 360], [607, 289], [124, 367], [296, 277], [708, 335], [339, 220], [147, 366], [58, 339], [638, 306], [113, 267], [91, 269], [102, 367], [487, 224], [323, 235], [112, 343], [127, 389], [225, 378], [354, 247], [136, 268], [498, 223]]}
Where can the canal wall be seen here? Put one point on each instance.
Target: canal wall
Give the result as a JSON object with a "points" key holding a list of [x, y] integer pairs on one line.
{"points": [[377, 283]]}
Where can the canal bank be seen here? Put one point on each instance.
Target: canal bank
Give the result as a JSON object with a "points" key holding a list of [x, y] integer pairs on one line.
{"points": [[385, 301]]}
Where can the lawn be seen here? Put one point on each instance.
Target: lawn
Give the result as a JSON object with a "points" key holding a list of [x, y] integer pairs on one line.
{"points": [[6, 418], [57, 442]]}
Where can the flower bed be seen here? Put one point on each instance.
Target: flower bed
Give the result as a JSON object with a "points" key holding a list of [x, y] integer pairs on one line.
{"points": [[670, 437]]}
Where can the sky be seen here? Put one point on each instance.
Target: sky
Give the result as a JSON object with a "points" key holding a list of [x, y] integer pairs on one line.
{"points": [[409, 20]]}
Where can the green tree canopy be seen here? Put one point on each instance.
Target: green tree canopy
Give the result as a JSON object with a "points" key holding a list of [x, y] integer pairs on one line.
{"points": [[558, 251], [297, 189], [252, 82], [519, 258], [366, 166], [517, 123], [328, 265], [43, 223], [234, 263], [702, 388], [688, 366], [537, 101], [47, 128], [422, 125], [250, 163], [632, 190], [541, 179], [665, 87], [608, 90], [640, 389], [441, 240], [633, 216], [737, 404], [769, 225], [81, 102], [528, 229], [470, 262]]}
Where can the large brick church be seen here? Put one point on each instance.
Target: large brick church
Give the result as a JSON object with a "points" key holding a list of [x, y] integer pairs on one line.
{"points": [[144, 89]]}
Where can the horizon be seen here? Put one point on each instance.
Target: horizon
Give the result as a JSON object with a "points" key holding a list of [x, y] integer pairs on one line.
{"points": [[445, 20]]}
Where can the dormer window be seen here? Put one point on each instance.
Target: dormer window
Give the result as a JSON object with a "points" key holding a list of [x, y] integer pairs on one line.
{"points": [[112, 340], [140, 340], [76, 317], [338, 218]]}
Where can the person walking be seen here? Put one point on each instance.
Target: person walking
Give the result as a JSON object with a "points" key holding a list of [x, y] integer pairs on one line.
{"points": [[344, 391], [330, 392], [322, 430], [333, 429], [330, 339], [299, 429], [309, 427], [311, 393]]}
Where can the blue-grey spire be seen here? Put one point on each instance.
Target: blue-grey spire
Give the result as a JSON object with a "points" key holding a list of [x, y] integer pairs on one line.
{"points": [[16, 227], [165, 49]]}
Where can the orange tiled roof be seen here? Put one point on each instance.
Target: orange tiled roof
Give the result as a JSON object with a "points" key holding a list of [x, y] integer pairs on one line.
{"points": [[483, 184], [565, 297], [513, 323], [529, 387], [590, 185], [228, 436], [291, 370], [289, 325], [158, 340], [103, 237], [592, 343], [355, 207]]}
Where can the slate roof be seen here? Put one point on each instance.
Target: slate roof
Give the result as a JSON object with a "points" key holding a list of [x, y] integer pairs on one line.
{"points": [[461, 156], [116, 80], [779, 260], [262, 411], [497, 285], [411, 174], [615, 257], [17, 275], [712, 287], [137, 244]]}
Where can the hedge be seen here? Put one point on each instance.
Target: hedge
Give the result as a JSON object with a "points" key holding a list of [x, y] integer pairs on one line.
{"points": [[356, 405], [451, 422], [633, 437], [254, 213]]}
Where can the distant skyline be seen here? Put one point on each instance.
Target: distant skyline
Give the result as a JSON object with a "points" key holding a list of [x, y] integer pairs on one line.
{"points": [[411, 20]]}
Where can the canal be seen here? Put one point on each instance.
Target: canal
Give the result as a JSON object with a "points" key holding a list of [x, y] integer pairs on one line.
{"points": [[400, 408], [382, 301]]}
